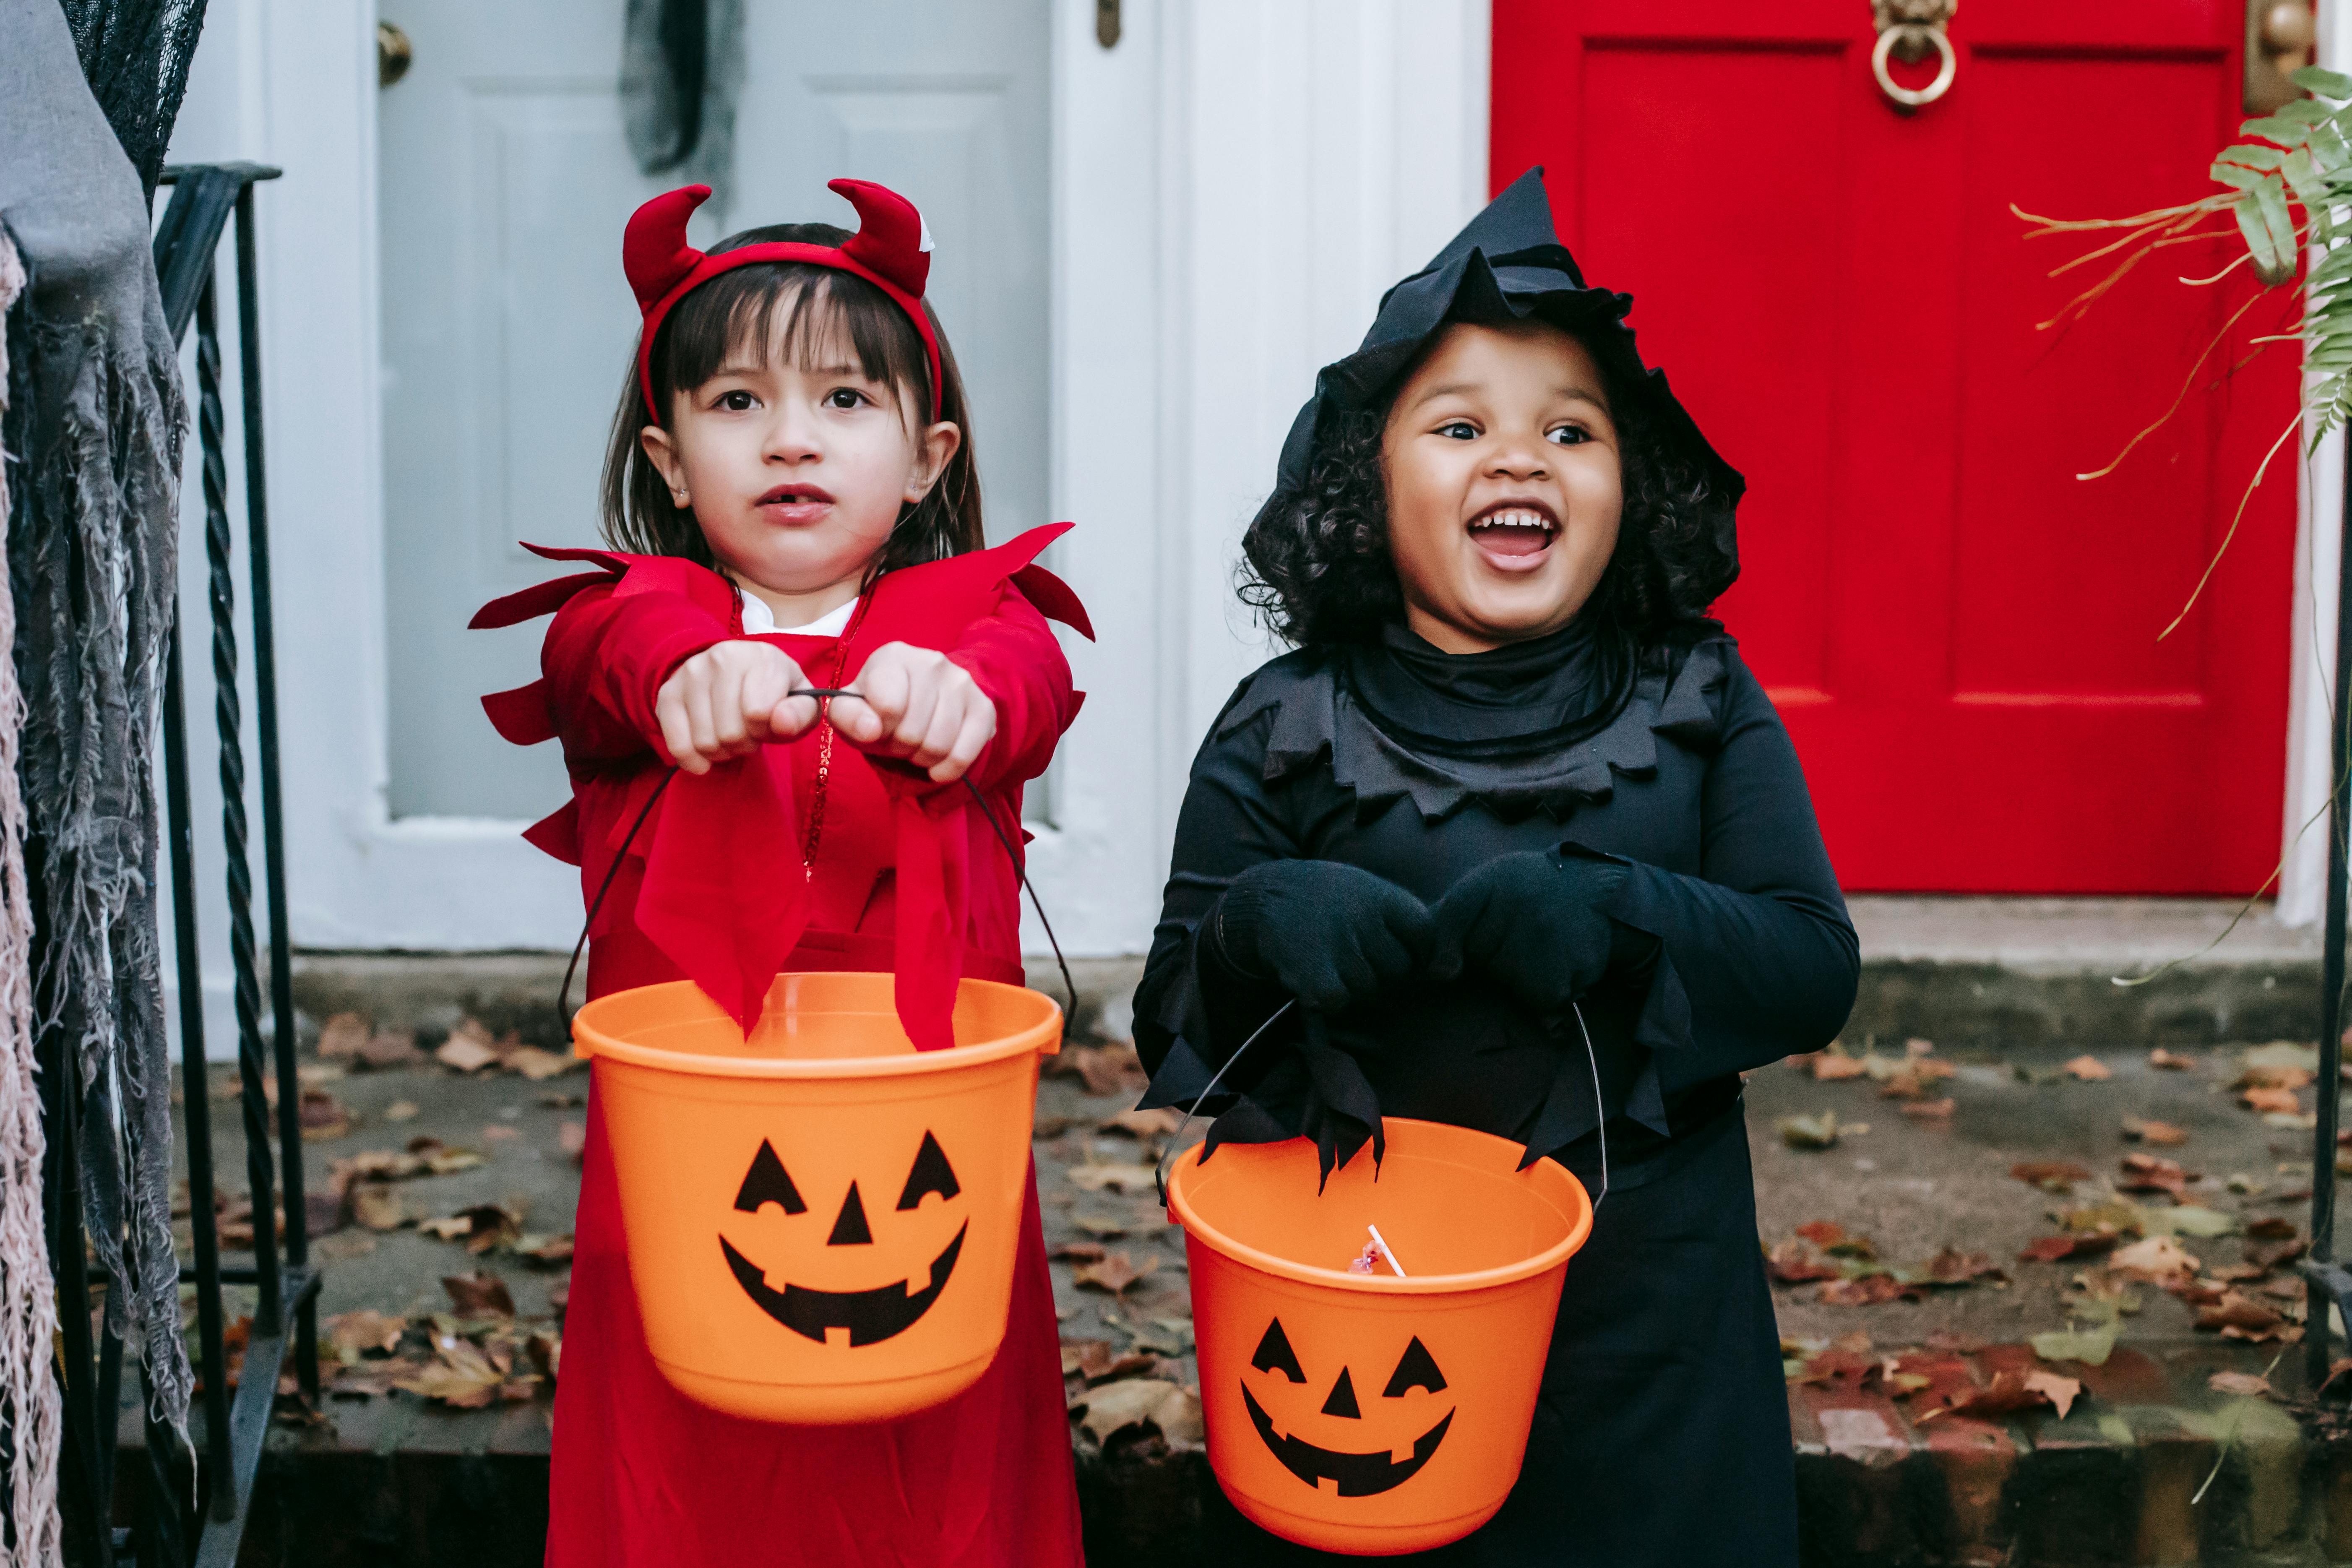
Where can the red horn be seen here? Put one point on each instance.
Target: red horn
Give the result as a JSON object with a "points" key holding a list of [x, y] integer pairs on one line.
{"points": [[654, 251], [890, 237]]}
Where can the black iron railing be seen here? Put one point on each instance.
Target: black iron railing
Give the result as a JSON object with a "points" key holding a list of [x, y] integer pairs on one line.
{"points": [[199, 1518]]}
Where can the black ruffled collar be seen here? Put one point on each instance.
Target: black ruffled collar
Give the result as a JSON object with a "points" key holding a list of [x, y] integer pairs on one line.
{"points": [[1520, 701]]}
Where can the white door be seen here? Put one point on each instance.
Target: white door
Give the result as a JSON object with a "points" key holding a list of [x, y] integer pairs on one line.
{"points": [[508, 327]]}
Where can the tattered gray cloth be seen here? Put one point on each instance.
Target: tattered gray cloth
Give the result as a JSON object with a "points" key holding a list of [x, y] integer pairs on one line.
{"points": [[93, 432]]}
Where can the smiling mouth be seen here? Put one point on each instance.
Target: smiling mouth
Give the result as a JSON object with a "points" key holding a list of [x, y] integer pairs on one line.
{"points": [[1515, 530], [870, 1316], [1356, 1475]]}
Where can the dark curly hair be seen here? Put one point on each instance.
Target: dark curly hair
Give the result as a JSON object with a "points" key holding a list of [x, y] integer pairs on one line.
{"points": [[1317, 566]]}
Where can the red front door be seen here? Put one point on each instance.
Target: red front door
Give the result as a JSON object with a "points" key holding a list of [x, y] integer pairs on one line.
{"points": [[1961, 634]]}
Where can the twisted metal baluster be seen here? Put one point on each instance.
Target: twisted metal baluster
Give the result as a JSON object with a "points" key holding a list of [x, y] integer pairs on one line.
{"points": [[227, 718]]}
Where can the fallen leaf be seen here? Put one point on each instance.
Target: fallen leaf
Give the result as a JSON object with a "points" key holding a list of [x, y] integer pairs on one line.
{"points": [[460, 1375], [1795, 1261], [2102, 1293], [1823, 1232], [2051, 1248], [2191, 1219], [1833, 1064], [379, 1209], [2148, 1132], [2272, 1228], [2054, 1175], [2171, 1061], [2272, 1101], [1114, 1272], [479, 1295], [2089, 1070], [340, 1036], [2010, 1392], [1129, 1402], [2152, 1173], [400, 1111], [1079, 1252], [2092, 1347], [1809, 1131], [2059, 1391], [1952, 1267], [464, 1055], [353, 1334], [1117, 1178], [1928, 1110], [2239, 1312], [1156, 1123], [366, 1379], [538, 1065], [441, 1159], [323, 1117], [558, 1100], [1111, 1069], [2251, 1384], [1101, 1224], [2156, 1259], [544, 1250], [1869, 1291]]}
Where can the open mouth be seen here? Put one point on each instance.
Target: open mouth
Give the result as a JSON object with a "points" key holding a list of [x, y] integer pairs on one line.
{"points": [[795, 503], [1356, 1475], [870, 1315], [1514, 534]]}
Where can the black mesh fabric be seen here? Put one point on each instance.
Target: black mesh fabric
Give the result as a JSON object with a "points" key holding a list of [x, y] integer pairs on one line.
{"points": [[135, 54]]}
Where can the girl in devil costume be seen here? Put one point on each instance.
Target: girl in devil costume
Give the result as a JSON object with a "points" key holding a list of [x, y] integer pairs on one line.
{"points": [[793, 504], [1514, 786]]}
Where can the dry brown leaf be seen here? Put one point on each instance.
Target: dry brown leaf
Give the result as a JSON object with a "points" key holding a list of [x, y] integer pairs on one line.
{"points": [[1114, 1406], [391, 1049], [2236, 1310], [2053, 1175], [340, 1036], [379, 1209], [1952, 1267], [2152, 1173], [463, 1054], [2088, 1069], [2171, 1061], [1795, 1261], [353, 1334], [545, 1250], [2059, 1391], [2051, 1248], [1867, 1291], [478, 1295], [2142, 1131], [538, 1065], [1833, 1064], [1929, 1109], [400, 1110], [323, 1117], [1079, 1252], [1820, 1131], [1114, 1272], [2155, 1258], [1102, 1224], [2252, 1385], [558, 1100], [1111, 1069], [1155, 1124], [2272, 1101]]}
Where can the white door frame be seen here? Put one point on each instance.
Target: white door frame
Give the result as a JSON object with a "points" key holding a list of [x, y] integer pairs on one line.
{"points": [[1234, 184]]}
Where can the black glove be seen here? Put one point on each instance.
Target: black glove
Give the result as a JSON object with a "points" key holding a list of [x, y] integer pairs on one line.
{"points": [[1533, 922], [1329, 934]]}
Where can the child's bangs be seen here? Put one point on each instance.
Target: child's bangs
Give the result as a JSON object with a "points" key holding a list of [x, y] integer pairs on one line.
{"points": [[815, 318]]}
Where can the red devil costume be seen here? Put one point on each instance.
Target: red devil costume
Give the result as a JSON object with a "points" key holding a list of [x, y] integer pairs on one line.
{"points": [[806, 855]]}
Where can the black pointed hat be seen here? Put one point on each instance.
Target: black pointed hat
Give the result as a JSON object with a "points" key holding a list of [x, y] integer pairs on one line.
{"points": [[1507, 264]]}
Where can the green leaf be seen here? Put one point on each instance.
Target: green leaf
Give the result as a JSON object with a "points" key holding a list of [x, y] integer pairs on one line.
{"points": [[2251, 155], [2323, 81], [2190, 1220], [2257, 232], [2303, 111], [2328, 148], [2274, 128], [2304, 180], [2239, 178], [2271, 201]]}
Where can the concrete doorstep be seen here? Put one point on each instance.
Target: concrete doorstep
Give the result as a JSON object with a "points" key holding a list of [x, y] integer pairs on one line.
{"points": [[2153, 1462]]}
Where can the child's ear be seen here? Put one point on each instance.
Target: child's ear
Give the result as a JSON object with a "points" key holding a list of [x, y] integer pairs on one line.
{"points": [[661, 450], [939, 449]]}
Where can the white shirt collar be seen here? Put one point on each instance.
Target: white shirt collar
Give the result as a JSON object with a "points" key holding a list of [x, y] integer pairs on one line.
{"points": [[758, 620]]}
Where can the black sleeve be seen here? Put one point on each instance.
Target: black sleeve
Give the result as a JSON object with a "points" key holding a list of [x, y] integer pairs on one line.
{"points": [[1192, 1004], [1755, 956]]}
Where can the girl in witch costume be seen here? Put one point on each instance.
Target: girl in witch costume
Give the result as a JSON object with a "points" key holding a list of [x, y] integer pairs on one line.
{"points": [[793, 504], [1513, 787]]}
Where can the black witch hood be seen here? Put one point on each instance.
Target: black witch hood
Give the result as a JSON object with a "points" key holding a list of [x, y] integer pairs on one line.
{"points": [[1507, 264]]}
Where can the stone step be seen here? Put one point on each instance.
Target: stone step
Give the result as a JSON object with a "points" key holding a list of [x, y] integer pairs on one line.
{"points": [[1960, 971], [2152, 1467]]}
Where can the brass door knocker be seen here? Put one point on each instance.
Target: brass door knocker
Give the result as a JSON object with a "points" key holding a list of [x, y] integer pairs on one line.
{"points": [[1909, 31]]}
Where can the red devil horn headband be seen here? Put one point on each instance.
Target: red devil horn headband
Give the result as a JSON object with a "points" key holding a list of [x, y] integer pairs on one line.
{"points": [[891, 250]]}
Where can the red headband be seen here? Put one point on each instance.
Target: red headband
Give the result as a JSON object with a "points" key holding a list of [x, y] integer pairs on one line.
{"points": [[891, 250]]}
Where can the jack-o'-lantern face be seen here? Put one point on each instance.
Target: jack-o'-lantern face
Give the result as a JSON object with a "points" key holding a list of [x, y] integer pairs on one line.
{"points": [[869, 1316], [1362, 1465]]}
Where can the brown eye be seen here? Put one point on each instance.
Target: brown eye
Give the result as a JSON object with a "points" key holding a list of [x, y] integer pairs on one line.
{"points": [[844, 397], [736, 402]]}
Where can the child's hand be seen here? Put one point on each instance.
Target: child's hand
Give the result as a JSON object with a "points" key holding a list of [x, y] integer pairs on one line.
{"points": [[922, 706], [729, 699]]}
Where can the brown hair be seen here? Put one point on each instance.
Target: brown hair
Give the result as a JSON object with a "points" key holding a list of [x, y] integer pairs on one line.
{"points": [[739, 307]]}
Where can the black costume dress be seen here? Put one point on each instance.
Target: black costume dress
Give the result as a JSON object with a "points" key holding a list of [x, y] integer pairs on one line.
{"points": [[1661, 1434]]}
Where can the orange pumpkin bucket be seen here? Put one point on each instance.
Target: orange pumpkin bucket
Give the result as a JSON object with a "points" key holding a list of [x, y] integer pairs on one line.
{"points": [[1370, 1414], [820, 1220]]}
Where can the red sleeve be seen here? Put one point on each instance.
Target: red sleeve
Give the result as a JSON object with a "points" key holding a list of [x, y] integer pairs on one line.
{"points": [[1017, 661], [606, 656]]}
